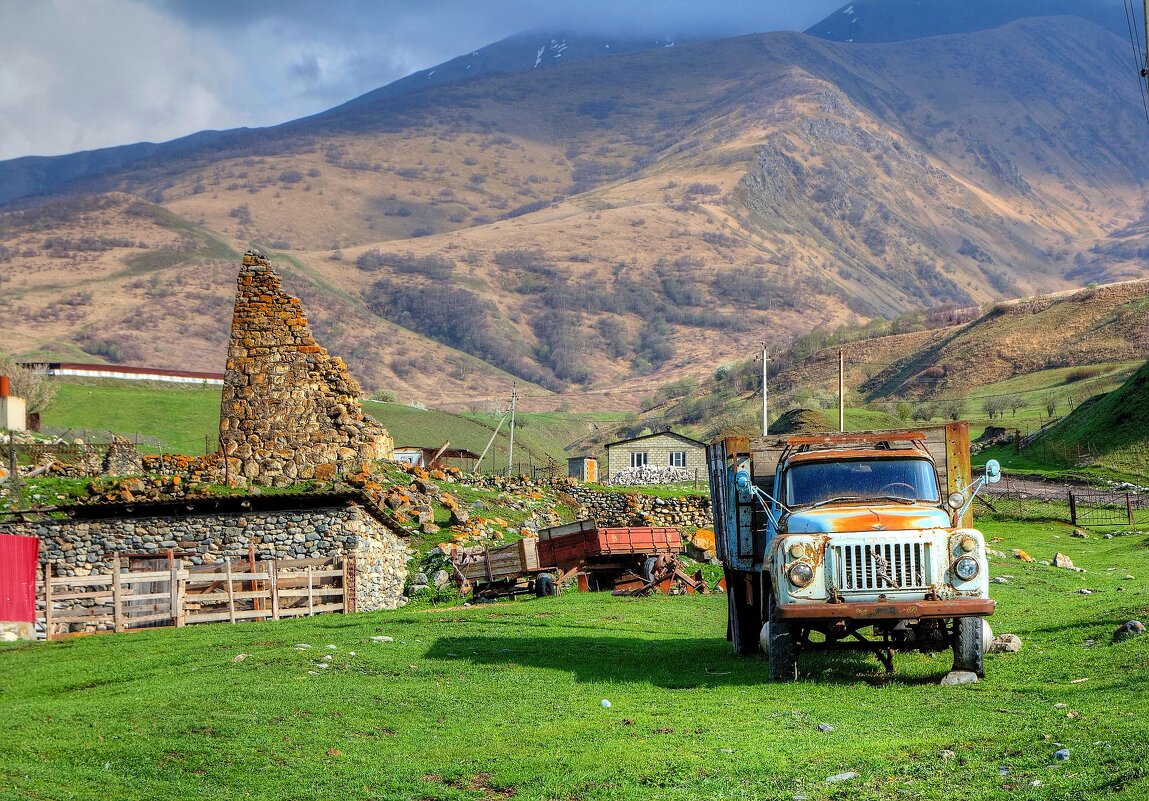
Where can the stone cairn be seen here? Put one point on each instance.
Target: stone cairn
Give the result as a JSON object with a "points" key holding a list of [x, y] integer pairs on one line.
{"points": [[290, 411]]}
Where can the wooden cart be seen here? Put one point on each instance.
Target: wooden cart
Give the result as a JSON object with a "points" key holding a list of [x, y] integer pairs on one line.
{"points": [[502, 572]]}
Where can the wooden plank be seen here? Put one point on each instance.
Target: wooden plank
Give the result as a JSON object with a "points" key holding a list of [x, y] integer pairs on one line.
{"points": [[81, 581], [221, 617], [48, 621], [288, 574], [117, 601], [151, 596], [272, 572], [82, 596], [302, 611], [102, 618], [230, 592], [310, 597], [142, 577], [134, 621], [313, 592], [224, 597], [176, 592]]}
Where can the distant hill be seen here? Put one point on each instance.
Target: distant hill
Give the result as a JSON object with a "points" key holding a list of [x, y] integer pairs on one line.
{"points": [[597, 228], [1111, 430], [899, 20]]}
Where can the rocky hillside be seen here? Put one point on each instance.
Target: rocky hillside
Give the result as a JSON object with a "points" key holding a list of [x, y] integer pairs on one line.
{"points": [[596, 228]]}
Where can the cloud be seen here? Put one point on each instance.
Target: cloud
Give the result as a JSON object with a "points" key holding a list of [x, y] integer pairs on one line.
{"points": [[79, 75]]}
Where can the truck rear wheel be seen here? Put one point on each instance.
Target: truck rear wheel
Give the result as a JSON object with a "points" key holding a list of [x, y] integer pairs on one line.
{"points": [[744, 610], [781, 651], [969, 645]]}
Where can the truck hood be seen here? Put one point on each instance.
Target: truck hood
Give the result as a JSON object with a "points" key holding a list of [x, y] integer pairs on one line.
{"points": [[868, 517]]}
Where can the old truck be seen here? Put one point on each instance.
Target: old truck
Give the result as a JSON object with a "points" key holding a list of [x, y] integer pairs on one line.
{"points": [[857, 541]]}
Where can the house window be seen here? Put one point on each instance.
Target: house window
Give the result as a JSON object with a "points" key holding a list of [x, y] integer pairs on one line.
{"points": [[678, 458], [638, 458]]}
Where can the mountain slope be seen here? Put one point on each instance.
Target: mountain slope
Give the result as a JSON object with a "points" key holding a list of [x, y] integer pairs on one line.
{"points": [[604, 225], [899, 20], [1111, 430]]}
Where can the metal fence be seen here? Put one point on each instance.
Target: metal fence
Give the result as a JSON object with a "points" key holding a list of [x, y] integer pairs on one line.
{"points": [[1108, 509]]}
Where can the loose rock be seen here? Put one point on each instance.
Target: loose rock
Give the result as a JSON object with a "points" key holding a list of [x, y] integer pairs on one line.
{"points": [[1005, 644], [959, 677], [1061, 560]]}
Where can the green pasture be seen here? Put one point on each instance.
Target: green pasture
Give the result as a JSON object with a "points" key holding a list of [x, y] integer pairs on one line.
{"points": [[505, 701], [176, 418]]}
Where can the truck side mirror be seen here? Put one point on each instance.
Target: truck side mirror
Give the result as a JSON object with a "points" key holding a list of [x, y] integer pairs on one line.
{"points": [[992, 471]]}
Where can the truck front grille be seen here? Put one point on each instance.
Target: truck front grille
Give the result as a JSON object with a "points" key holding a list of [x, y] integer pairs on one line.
{"points": [[882, 566]]}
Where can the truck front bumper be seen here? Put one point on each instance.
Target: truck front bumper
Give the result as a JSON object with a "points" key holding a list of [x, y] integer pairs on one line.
{"points": [[889, 610]]}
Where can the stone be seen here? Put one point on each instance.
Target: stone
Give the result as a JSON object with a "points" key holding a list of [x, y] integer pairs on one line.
{"points": [[1130, 628], [1005, 644], [1022, 555], [441, 578], [841, 777], [1079, 534], [1061, 754], [1061, 560], [825, 728], [999, 580], [959, 677]]}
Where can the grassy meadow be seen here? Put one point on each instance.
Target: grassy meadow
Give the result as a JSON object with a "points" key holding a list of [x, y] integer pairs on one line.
{"points": [[506, 701]]}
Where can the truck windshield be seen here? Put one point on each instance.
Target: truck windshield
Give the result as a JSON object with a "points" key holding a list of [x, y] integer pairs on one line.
{"points": [[816, 482]]}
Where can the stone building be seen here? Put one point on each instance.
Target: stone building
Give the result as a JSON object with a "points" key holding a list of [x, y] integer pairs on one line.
{"points": [[289, 409], [207, 530], [663, 449]]}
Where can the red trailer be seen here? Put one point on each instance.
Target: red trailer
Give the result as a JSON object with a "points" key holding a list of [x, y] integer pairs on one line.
{"points": [[605, 558], [19, 563]]}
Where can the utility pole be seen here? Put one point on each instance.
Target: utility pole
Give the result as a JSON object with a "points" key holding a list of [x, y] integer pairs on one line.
{"points": [[842, 387], [511, 447], [765, 391]]}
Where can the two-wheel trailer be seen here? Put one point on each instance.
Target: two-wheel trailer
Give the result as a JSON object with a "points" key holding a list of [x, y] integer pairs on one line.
{"points": [[606, 558]]}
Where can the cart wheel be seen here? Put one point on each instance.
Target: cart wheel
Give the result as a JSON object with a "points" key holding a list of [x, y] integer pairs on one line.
{"points": [[544, 585]]}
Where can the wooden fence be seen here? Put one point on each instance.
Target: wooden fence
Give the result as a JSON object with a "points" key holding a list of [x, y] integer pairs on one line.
{"points": [[252, 590]]}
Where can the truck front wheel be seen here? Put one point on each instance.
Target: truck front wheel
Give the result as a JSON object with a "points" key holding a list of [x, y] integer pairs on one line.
{"points": [[778, 642], [969, 645]]}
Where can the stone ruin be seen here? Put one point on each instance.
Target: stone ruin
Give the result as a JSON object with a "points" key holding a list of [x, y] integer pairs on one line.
{"points": [[290, 411]]}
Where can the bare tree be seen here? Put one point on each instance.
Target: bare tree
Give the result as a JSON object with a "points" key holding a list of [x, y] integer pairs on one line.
{"points": [[1050, 403], [1014, 402], [31, 384], [953, 409]]}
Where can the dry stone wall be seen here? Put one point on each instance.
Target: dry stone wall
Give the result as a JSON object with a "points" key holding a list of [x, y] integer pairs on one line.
{"points": [[633, 509], [289, 410]]}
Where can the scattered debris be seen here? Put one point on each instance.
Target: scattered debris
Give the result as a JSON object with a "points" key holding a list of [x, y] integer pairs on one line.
{"points": [[1061, 754], [382, 638], [239, 658], [1085, 591], [841, 777], [947, 754], [1079, 534], [999, 580], [606, 704], [825, 728], [301, 646]]}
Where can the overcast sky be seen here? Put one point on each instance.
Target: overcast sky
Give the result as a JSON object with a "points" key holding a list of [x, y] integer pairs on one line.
{"points": [[83, 74]]}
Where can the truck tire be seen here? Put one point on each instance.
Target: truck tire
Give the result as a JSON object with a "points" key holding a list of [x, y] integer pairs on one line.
{"points": [[781, 651], [544, 585], [969, 645], [744, 614], [648, 568]]}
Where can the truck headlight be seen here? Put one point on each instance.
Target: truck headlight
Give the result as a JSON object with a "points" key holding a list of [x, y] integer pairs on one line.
{"points": [[965, 568], [800, 574]]}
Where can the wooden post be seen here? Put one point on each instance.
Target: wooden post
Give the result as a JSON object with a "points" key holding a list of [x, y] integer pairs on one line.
{"points": [[230, 593], [310, 597], [175, 590], [350, 585], [117, 591], [48, 601], [1072, 509], [273, 574], [1128, 509]]}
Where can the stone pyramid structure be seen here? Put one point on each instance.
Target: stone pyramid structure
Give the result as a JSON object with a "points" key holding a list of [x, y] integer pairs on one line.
{"points": [[290, 411]]}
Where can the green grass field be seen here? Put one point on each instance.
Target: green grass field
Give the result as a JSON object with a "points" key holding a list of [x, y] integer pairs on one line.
{"points": [[505, 701], [176, 418]]}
